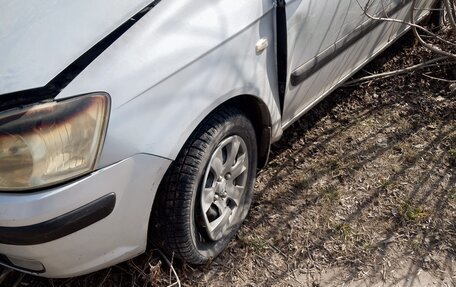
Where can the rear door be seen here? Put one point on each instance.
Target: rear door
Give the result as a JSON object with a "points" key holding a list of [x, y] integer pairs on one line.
{"points": [[321, 34]]}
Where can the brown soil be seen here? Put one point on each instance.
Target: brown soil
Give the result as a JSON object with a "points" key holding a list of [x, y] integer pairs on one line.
{"points": [[359, 192]]}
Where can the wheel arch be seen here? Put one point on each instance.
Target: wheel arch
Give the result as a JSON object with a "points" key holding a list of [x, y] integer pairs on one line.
{"points": [[258, 113], [173, 196]]}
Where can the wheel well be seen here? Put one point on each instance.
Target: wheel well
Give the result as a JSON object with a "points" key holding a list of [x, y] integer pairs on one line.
{"points": [[258, 113]]}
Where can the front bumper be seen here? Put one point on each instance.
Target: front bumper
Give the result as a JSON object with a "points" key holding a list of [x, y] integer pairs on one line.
{"points": [[83, 226]]}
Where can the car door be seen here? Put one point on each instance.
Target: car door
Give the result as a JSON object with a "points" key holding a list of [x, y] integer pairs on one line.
{"points": [[321, 52]]}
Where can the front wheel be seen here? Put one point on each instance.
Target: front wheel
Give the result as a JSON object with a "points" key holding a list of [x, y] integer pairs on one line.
{"points": [[206, 193]]}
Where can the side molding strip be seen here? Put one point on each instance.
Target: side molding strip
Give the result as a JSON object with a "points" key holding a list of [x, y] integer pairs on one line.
{"points": [[60, 226], [303, 72]]}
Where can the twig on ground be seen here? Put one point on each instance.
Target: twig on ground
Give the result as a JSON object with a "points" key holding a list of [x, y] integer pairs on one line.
{"points": [[106, 276], [139, 270], [450, 12], [427, 45], [415, 27], [154, 271], [427, 64], [439, 79], [19, 280], [172, 269], [4, 275]]}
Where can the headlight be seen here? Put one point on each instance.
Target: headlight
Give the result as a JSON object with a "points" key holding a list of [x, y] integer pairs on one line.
{"points": [[52, 142]]}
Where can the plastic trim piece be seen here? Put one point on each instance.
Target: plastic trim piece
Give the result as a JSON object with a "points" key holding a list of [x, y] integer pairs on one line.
{"points": [[303, 72], [60, 226], [282, 50]]}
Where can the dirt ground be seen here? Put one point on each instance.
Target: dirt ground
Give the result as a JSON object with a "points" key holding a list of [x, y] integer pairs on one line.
{"points": [[359, 192]]}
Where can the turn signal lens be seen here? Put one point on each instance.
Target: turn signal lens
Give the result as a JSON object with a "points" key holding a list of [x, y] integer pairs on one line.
{"points": [[48, 143]]}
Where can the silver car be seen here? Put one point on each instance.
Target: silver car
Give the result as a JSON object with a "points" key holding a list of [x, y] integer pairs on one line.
{"points": [[128, 121]]}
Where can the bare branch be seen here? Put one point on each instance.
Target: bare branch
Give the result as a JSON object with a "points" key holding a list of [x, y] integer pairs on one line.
{"points": [[170, 264], [450, 10], [427, 45], [449, 4], [430, 63], [439, 79]]}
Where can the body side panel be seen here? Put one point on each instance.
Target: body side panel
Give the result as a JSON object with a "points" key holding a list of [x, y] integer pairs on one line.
{"points": [[175, 66], [323, 81]]}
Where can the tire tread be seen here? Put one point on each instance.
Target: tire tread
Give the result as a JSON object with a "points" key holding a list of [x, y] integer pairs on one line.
{"points": [[170, 218]]}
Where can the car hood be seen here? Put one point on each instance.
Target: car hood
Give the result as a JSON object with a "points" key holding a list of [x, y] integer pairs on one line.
{"points": [[38, 39]]}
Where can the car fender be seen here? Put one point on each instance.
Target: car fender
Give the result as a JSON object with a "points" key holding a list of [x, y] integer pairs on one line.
{"points": [[175, 66]]}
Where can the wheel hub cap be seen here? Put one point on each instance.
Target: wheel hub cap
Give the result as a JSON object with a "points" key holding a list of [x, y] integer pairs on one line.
{"points": [[224, 186]]}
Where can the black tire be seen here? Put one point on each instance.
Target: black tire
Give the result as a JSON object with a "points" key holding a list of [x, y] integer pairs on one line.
{"points": [[179, 225]]}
